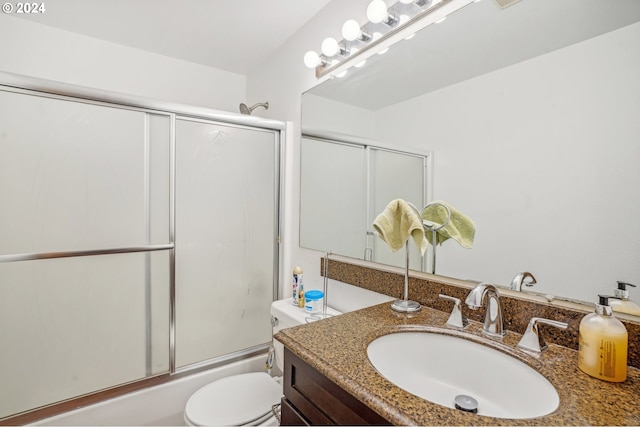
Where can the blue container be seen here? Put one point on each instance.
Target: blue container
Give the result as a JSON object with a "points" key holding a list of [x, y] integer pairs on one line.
{"points": [[313, 301]]}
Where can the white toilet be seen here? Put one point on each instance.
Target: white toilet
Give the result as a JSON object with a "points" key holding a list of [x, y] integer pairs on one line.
{"points": [[246, 399]]}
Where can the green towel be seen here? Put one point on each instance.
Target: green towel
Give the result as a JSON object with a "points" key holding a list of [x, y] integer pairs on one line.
{"points": [[397, 222], [460, 228]]}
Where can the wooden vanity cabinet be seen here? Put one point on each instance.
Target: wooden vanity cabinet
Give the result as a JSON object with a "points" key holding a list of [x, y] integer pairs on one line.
{"points": [[310, 398]]}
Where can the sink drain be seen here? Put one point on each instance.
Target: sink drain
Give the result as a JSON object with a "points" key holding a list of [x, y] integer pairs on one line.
{"points": [[466, 403]]}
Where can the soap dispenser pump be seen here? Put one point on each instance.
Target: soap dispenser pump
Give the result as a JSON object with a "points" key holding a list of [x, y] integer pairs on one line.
{"points": [[603, 343], [622, 303]]}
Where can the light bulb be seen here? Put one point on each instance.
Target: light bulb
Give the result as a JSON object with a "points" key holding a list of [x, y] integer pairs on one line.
{"points": [[351, 30], [330, 46], [377, 11], [312, 59]]}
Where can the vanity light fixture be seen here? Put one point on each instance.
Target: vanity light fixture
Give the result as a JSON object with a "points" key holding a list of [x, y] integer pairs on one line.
{"points": [[313, 60], [351, 31], [377, 12], [389, 24], [331, 47]]}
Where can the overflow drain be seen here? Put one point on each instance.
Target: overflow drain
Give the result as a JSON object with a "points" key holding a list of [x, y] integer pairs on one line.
{"points": [[466, 403]]}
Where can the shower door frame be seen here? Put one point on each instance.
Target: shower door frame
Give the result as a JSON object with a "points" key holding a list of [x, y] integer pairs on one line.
{"points": [[26, 85]]}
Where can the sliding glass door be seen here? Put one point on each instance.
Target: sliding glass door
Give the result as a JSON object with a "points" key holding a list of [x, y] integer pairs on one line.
{"points": [[84, 295], [132, 244], [225, 227]]}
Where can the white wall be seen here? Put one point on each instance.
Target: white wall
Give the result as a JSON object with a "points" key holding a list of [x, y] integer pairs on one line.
{"points": [[282, 80], [45, 52]]}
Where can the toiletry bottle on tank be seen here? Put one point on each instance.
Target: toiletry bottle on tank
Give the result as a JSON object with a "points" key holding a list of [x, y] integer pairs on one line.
{"points": [[603, 344], [296, 285]]}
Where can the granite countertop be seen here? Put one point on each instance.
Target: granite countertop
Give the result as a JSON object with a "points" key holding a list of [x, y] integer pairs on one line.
{"points": [[336, 347]]}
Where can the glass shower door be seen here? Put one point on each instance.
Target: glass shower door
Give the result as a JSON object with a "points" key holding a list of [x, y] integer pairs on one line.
{"points": [[84, 247], [226, 230]]}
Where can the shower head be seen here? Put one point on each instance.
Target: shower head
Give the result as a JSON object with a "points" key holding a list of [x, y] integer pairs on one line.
{"points": [[247, 110]]}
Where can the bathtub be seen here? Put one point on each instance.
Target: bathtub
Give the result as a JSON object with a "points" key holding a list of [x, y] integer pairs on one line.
{"points": [[161, 405]]}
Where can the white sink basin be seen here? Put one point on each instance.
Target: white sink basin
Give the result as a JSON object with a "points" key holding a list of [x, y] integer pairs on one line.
{"points": [[439, 367]]}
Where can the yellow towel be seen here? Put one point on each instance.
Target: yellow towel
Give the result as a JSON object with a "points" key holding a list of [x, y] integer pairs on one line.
{"points": [[397, 222], [460, 228]]}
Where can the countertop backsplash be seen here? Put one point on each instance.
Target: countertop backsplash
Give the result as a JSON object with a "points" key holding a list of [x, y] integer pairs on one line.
{"points": [[425, 288]]}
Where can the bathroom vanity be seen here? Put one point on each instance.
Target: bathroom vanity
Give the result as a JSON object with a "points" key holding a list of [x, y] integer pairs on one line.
{"points": [[329, 379]]}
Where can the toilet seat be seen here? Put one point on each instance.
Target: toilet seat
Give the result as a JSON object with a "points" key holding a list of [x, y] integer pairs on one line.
{"points": [[235, 400]]}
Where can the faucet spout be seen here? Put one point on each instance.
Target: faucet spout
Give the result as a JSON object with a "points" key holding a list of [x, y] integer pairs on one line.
{"points": [[493, 321], [519, 280]]}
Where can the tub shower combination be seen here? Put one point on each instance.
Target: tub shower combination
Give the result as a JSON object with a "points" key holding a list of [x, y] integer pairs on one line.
{"points": [[138, 240]]}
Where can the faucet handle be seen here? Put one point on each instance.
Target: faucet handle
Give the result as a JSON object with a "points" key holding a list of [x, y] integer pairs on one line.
{"points": [[457, 319], [532, 339]]}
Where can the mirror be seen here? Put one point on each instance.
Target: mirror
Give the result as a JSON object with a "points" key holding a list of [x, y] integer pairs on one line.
{"points": [[531, 113], [368, 178]]}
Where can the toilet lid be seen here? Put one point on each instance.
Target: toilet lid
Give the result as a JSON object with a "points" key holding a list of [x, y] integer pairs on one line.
{"points": [[234, 400]]}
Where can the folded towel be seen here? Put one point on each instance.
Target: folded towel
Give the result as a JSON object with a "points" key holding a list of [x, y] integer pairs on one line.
{"points": [[460, 228], [397, 222]]}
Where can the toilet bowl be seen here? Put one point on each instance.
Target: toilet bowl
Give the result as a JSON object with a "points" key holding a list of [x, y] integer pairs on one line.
{"points": [[246, 399]]}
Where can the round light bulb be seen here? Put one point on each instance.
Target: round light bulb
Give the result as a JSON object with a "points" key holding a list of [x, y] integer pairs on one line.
{"points": [[311, 59], [377, 11], [351, 30], [330, 46]]}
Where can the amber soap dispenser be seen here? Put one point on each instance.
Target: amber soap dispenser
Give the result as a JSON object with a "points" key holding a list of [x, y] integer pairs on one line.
{"points": [[603, 344]]}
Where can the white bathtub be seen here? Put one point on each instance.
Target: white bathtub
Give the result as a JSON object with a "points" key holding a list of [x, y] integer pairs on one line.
{"points": [[161, 405]]}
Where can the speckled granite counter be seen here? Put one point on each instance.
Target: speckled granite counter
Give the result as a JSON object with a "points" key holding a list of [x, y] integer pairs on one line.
{"points": [[336, 347]]}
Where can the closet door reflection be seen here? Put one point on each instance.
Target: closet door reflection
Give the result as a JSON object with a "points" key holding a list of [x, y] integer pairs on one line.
{"points": [[395, 175], [345, 185], [226, 230], [333, 197]]}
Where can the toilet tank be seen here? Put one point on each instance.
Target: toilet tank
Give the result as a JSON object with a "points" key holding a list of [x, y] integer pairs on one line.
{"points": [[286, 315]]}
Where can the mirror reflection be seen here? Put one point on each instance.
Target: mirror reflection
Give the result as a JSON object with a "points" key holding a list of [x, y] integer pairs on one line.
{"points": [[531, 113]]}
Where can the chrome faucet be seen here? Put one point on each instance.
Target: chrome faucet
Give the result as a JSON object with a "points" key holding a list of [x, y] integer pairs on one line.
{"points": [[493, 320], [519, 280]]}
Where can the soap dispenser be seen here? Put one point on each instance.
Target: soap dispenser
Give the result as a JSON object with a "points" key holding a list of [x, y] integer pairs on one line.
{"points": [[624, 304], [603, 343]]}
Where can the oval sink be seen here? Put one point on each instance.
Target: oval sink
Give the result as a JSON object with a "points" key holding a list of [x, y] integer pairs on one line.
{"points": [[439, 367]]}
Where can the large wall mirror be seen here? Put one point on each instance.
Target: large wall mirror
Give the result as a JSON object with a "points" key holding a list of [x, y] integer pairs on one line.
{"points": [[532, 113]]}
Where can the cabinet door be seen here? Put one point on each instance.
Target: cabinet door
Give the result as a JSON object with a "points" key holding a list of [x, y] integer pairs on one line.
{"points": [[319, 400]]}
